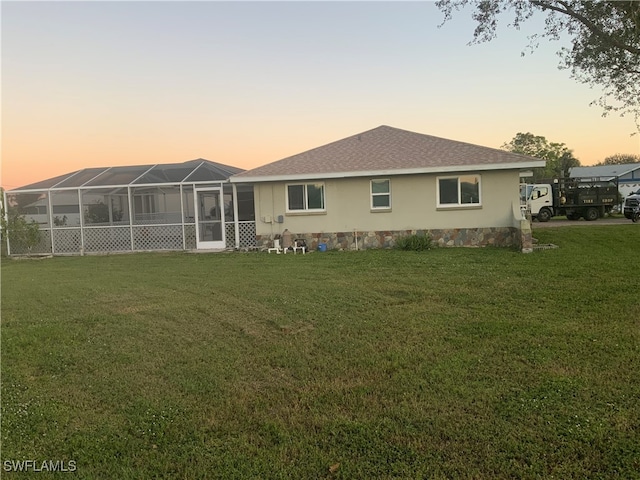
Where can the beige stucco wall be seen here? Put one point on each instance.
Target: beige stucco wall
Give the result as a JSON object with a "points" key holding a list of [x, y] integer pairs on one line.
{"points": [[413, 206]]}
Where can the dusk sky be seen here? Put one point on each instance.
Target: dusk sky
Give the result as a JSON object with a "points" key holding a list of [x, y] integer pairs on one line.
{"points": [[247, 83]]}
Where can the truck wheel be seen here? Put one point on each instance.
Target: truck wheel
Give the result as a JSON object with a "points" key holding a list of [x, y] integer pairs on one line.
{"points": [[591, 214], [544, 215]]}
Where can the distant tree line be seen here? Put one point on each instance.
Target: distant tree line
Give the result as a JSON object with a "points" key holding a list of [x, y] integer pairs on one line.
{"points": [[558, 156], [620, 159]]}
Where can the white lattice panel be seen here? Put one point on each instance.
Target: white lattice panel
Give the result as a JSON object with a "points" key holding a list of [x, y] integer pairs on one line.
{"points": [[43, 247], [161, 237], [118, 239], [107, 239], [190, 237], [247, 234], [67, 240], [229, 235]]}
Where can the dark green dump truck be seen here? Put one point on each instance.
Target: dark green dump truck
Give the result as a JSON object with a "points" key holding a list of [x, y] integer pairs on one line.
{"points": [[573, 197]]}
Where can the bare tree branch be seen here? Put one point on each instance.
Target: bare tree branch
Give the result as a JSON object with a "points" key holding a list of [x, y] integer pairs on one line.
{"points": [[609, 39]]}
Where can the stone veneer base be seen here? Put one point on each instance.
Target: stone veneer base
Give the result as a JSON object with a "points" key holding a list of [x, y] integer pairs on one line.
{"points": [[450, 237]]}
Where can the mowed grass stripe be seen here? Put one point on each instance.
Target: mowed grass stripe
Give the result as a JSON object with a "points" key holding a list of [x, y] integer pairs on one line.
{"points": [[450, 363]]}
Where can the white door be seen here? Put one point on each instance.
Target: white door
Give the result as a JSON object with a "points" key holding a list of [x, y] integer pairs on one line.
{"points": [[210, 214]]}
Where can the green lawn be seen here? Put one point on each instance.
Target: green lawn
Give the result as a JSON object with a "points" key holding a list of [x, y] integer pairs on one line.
{"points": [[450, 363]]}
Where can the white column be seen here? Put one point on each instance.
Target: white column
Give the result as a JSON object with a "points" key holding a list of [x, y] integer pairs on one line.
{"points": [[184, 240], [6, 220], [236, 225], [130, 217], [81, 210], [49, 203]]}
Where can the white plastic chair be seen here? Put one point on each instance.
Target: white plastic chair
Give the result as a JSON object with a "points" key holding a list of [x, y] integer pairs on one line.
{"points": [[276, 246], [295, 248]]}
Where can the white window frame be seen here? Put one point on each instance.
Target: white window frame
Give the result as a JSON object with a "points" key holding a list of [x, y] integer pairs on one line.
{"points": [[385, 194], [459, 204], [306, 208]]}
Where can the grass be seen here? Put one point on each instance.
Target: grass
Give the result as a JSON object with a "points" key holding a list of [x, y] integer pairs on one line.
{"points": [[451, 363]]}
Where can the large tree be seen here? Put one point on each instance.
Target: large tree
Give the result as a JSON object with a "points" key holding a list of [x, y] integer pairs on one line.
{"points": [[605, 41], [620, 159], [559, 158]]}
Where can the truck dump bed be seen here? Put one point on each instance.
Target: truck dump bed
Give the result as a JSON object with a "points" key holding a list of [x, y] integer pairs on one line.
{"points": [[582, 193]]}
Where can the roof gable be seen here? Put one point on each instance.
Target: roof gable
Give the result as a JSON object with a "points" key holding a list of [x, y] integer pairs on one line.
{"points": [[387, 150]]}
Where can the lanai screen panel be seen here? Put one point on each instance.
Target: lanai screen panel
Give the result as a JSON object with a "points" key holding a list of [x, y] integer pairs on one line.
{"points": [[246, 211], [209, 173], [66, 232], [156, 205], [188, 208], [173, 173], [33, 205], [81, 177], [50, 182], [105, 206], [118, 176], [66, 208]]}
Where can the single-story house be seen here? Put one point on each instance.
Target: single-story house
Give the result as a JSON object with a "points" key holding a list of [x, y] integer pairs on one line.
{"points": [[363, 191], [626, 175], [179, 206], [366, 190]]}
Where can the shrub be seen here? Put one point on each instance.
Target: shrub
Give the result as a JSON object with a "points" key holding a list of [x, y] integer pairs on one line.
{"points": [[23, 235], [416, 243]]}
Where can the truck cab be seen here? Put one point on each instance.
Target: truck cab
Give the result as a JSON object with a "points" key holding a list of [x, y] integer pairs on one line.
{"points": [[540, 201], [631, 202]]}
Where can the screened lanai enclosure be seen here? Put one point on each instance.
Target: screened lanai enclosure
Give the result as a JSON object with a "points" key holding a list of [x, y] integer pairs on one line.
{"points": [[180, 206]]}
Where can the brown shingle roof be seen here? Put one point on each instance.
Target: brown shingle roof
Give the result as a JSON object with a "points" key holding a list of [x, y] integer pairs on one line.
{"points": [[387, 150]]}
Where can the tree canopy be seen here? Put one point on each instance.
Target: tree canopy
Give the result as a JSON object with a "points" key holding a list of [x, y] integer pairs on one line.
{"points": [[605, 41], [559, 158], [620, 159]]}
